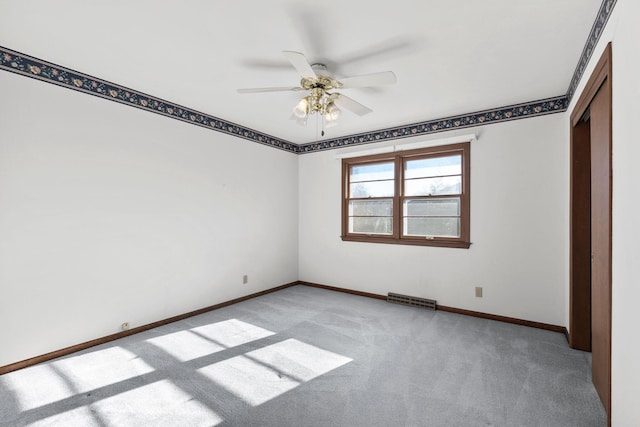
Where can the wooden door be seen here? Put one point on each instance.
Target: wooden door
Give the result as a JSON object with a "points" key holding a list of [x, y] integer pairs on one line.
{"points": [[590, 238], [600, 123]]}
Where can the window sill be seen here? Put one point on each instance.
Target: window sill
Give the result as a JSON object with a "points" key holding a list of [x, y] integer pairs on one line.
{"points": [[411, 242]]}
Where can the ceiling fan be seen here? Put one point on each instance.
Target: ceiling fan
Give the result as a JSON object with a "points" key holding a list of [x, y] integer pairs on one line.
{"points": [[320, 84]]}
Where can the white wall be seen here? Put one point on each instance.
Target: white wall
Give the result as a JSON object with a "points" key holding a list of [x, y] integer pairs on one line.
{"points": [[109, 214], [624, 33], [519, 231]]}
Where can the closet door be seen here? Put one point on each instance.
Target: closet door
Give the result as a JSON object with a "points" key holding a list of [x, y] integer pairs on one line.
{"points": [[601, 242]]}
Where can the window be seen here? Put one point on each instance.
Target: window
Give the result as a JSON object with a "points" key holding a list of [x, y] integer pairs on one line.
{"points": [[417, 197]]}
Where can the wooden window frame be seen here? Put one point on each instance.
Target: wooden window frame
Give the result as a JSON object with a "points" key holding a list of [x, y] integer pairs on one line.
{"points": [[399, 157]]}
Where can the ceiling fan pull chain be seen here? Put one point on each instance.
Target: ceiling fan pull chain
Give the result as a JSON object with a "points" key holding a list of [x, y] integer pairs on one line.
{"points": [[317, 128], [322, 133]]}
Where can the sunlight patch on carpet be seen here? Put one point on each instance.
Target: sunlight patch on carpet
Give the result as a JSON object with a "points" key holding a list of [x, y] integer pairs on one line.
{"points": [[81, 416], [54, 381], [50, 388], [232, 332], [158, 404], [298, 360], [100, 368], [265, 373], [185, 345], [250, 381]]}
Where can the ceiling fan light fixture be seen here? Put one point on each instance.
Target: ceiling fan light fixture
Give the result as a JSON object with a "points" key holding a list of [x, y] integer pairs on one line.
{"points": [[301, 110], [333, 112]]}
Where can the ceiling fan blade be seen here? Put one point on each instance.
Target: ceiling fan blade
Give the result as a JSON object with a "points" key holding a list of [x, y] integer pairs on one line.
{"points": [[383, 49], [270, 89], [347, 103], [367, 80], [300, 63], [266, 64], [311, 26]]}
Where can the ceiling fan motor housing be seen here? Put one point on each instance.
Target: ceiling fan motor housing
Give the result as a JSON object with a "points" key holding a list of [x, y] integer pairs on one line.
{"points": [[321, 81]]}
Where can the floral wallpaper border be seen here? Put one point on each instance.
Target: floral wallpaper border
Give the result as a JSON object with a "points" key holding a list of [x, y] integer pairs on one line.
{"points": [[29, 66], [51, 73], [596, 31], [35, 68], [513, 112]]}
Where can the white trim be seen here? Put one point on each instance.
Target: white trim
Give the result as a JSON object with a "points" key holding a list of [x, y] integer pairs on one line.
{"points": [[361, 151]]}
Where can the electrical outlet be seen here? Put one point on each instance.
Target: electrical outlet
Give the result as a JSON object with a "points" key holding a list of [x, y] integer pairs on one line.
{"points": [[245, 279], [478, 292], [125, 326]]}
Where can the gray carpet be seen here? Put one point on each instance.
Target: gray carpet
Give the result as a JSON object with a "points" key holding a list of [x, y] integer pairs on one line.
{"points": [[310, 357]]}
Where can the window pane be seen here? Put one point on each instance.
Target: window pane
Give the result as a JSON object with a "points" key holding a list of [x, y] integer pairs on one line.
{"points": [[371, 207], [435, 166], [433, 186], [370, 225], [410, 197], [371, 189], [436, 227], [432, 207], [375, 172]]}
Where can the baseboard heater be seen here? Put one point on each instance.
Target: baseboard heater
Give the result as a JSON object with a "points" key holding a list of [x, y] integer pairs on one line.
{"points": [[413, 301]]}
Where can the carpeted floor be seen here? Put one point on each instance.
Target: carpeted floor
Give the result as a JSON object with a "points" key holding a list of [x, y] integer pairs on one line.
{"points": [[309, 357]]}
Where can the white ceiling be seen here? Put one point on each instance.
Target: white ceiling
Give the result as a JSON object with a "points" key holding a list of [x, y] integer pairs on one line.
{"points": [[450, 56]]}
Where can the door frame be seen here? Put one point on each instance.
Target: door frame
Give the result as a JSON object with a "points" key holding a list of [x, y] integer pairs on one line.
{"points": [[580, 215]]}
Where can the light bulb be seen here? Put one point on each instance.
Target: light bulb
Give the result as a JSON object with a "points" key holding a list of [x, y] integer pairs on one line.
{"points": [[333, 112], [301, 109]]}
